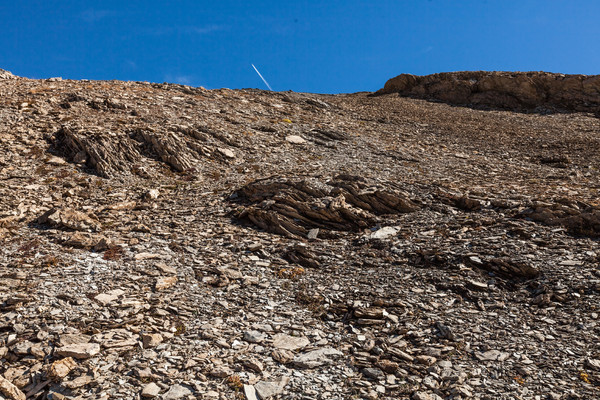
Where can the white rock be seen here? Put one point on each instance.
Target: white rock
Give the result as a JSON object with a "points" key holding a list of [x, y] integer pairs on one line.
{"points": [[79, 350], [287, 342], [151, 194], [226, 152], [295, 139], [250, 392], [150, 390], [316, 358], [384, 232]]}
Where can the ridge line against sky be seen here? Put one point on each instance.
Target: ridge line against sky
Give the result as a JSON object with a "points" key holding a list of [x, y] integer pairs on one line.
{"points": [[308, 46]]}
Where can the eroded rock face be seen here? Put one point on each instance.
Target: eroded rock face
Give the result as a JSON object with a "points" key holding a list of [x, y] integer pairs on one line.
{"points": [[4, 74], [124, 153], [506, 90], [293, 207]]}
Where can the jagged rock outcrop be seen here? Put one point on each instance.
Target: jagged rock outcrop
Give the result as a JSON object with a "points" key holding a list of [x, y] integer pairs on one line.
{"points": [[292, 208], [4, 74], [521, 91]]}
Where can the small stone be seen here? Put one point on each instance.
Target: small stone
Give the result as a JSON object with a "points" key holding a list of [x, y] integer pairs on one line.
{"points": [[70, 338], [226, 152], [266, 390], [254, 336], [250, 392], [22, 348], [165, 282], [287, 342], [177, 392], [373, 373], [387, 366], [166, 269], [316, 358], [383, 233], [313, 233], [254, 365], [151, 194], [593, 363], [425, 360], [57, 161], [295, 139], [491, 355], [79, 350], [61, 368], [425, 396], [107, 298], [146, 255], [480, 286], [221, 372], [10, 391], [150, 390], [282, 356], [151, 340]]}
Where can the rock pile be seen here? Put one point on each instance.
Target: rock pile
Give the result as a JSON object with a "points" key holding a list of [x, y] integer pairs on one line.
{"points": [[167, 242]]}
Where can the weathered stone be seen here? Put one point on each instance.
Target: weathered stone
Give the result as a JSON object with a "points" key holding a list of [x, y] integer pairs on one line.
{"points": [[295, 139], [165, 283], [254, 336], [150, 340], [287, 342], [266, 390], [316, 358], [151, 390], [10, 391], [79, 350], [61, 368], [177, 392], [250, 392], [69, 219]]}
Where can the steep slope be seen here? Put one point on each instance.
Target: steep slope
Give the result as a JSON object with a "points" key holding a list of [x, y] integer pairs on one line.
{"points": [[164, 240]]}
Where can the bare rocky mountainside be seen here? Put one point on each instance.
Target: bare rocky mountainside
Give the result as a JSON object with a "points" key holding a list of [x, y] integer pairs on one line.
{"points": [[170, 242]]}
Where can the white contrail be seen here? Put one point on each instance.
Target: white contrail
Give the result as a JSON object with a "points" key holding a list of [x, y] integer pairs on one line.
{"points": [[261, 77]]}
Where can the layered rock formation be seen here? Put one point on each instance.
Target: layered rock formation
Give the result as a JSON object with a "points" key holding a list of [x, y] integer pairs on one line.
{"points": [[519, 91]]}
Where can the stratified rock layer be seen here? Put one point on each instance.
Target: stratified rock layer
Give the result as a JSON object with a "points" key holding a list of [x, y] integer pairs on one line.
{"points": [[506, 90]]}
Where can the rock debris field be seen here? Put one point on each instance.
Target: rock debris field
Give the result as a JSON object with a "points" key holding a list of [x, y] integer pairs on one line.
{"points": [[171, 242]]}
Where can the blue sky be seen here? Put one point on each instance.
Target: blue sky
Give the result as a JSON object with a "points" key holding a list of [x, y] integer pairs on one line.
{"points": [[305, 46]]}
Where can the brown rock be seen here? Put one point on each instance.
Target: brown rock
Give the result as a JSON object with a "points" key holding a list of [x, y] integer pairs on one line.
{"points": [[10, 391], [79, 350], [61, 368], [150, 340], [165, 283]]}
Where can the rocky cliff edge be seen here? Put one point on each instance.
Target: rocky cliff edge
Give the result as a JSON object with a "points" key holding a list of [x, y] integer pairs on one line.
{"points": [[520, 91]]}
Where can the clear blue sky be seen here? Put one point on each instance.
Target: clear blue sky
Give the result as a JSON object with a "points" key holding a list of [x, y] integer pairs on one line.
{"points": [[305, 46]]}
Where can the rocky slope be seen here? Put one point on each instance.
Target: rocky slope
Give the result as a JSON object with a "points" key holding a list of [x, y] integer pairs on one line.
{"points": [[522, 91], [164, 241]]}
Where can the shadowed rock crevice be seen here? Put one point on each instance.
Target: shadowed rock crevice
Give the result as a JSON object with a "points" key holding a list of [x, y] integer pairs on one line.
{"points": [[293, 207], [518, 91]]}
